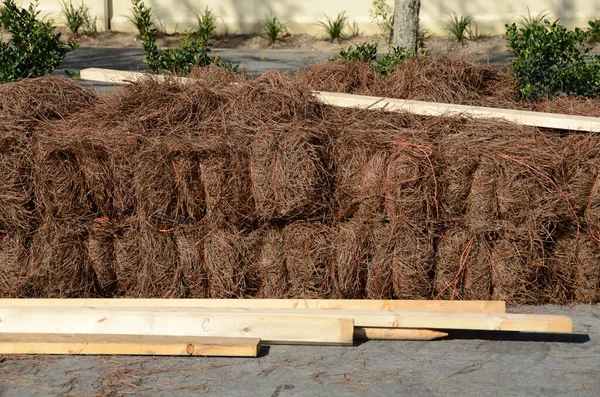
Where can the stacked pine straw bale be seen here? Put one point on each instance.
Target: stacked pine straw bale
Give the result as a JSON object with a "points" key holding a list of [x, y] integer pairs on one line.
{"points": [[226, 187]]}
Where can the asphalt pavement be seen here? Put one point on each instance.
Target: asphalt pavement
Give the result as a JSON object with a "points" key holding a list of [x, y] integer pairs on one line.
{"points": [[476, 364]]}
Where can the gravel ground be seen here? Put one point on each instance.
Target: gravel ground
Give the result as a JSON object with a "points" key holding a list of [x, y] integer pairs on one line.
{"points": [[475, 364]]}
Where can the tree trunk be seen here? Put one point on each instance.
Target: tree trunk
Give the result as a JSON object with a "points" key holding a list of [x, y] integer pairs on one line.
{"points": [[406, 24]]}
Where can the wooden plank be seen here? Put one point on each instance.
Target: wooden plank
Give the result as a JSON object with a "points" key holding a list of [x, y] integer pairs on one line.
{"points": [[535, 119], [115, 76], [364, 333], [270, 328], [128, 345], [327, 304], [266, 324]]}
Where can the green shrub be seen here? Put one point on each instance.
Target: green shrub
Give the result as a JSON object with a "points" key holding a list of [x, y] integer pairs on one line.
{"points": [[335, 27], [207, 25], [274, 28], [367, 53], [594, 28], [382, 14], [552, 60], [192, 52], [459, 26], [77, 17], [33, 49]]}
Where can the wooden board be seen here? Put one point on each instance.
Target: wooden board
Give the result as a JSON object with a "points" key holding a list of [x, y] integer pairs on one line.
{"points": [[328, 304], [535, 119], [114, 76], [274, 325], [362, 333], [128, 345], [270, 328]]}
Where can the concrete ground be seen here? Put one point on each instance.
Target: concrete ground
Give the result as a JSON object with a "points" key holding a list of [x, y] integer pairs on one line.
{"points": [[475, 364], [254, 62]]}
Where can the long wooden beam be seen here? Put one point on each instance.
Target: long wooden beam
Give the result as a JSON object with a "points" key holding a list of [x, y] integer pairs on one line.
{"points": [[327, 304], [523, 117], [276, 325], [128, 345], [270, 328]]}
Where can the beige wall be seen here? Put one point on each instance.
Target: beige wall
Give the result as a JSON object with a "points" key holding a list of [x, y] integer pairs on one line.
{"points": [[244, 16], [51, 9]]}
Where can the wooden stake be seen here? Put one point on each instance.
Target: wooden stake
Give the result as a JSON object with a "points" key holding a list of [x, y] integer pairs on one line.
{"points": [[128, 345], [363, 333]]}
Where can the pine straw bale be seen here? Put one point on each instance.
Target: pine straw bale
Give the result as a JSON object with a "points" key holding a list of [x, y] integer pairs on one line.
{"points": [[290, 172], [230, 257], [350, 242], [190, 248], [308, 254], [481, 204], [216, 77], [15, 179], [74, 175], [13, 265], [101, 251], [401, 262], [447, 80], [272, 264], [382, 167], [518, 267], [463, 266], [569, 105], [30, 101], [168, 182], [575, 269], [343, 76], [274, 97], [148, 262], [59, 264], [156, 108]]}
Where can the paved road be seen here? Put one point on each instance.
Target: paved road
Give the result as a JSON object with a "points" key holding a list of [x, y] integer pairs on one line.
{"points": [[254, 62], [517, 365]]}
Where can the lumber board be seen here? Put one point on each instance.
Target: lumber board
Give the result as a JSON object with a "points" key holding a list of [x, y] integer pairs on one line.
{"points": [[128, 345], [270, 328], [326, 304], [365, 333], [115, 76], [275, 325], [523, 117]]}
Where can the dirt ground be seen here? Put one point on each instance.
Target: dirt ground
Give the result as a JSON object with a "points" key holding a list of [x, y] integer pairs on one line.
{"points": [[468, 365], [298, 42]]}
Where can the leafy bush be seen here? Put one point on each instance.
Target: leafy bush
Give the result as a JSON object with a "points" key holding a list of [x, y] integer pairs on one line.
{"points": [[34, 49], [367, 53], [207, 25], [552, 60], [193, 51], [335, 27], [76, 17], [382, 15], [274, 28], [594, 30]]}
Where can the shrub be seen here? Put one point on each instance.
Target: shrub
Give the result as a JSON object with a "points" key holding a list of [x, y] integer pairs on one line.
{"points": [[207, 25], [76, 17], [335, 27], [193, 50], [552, 60], [459, 26], [367, 53], [274, 28], [382, 15], [33, 49]]}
